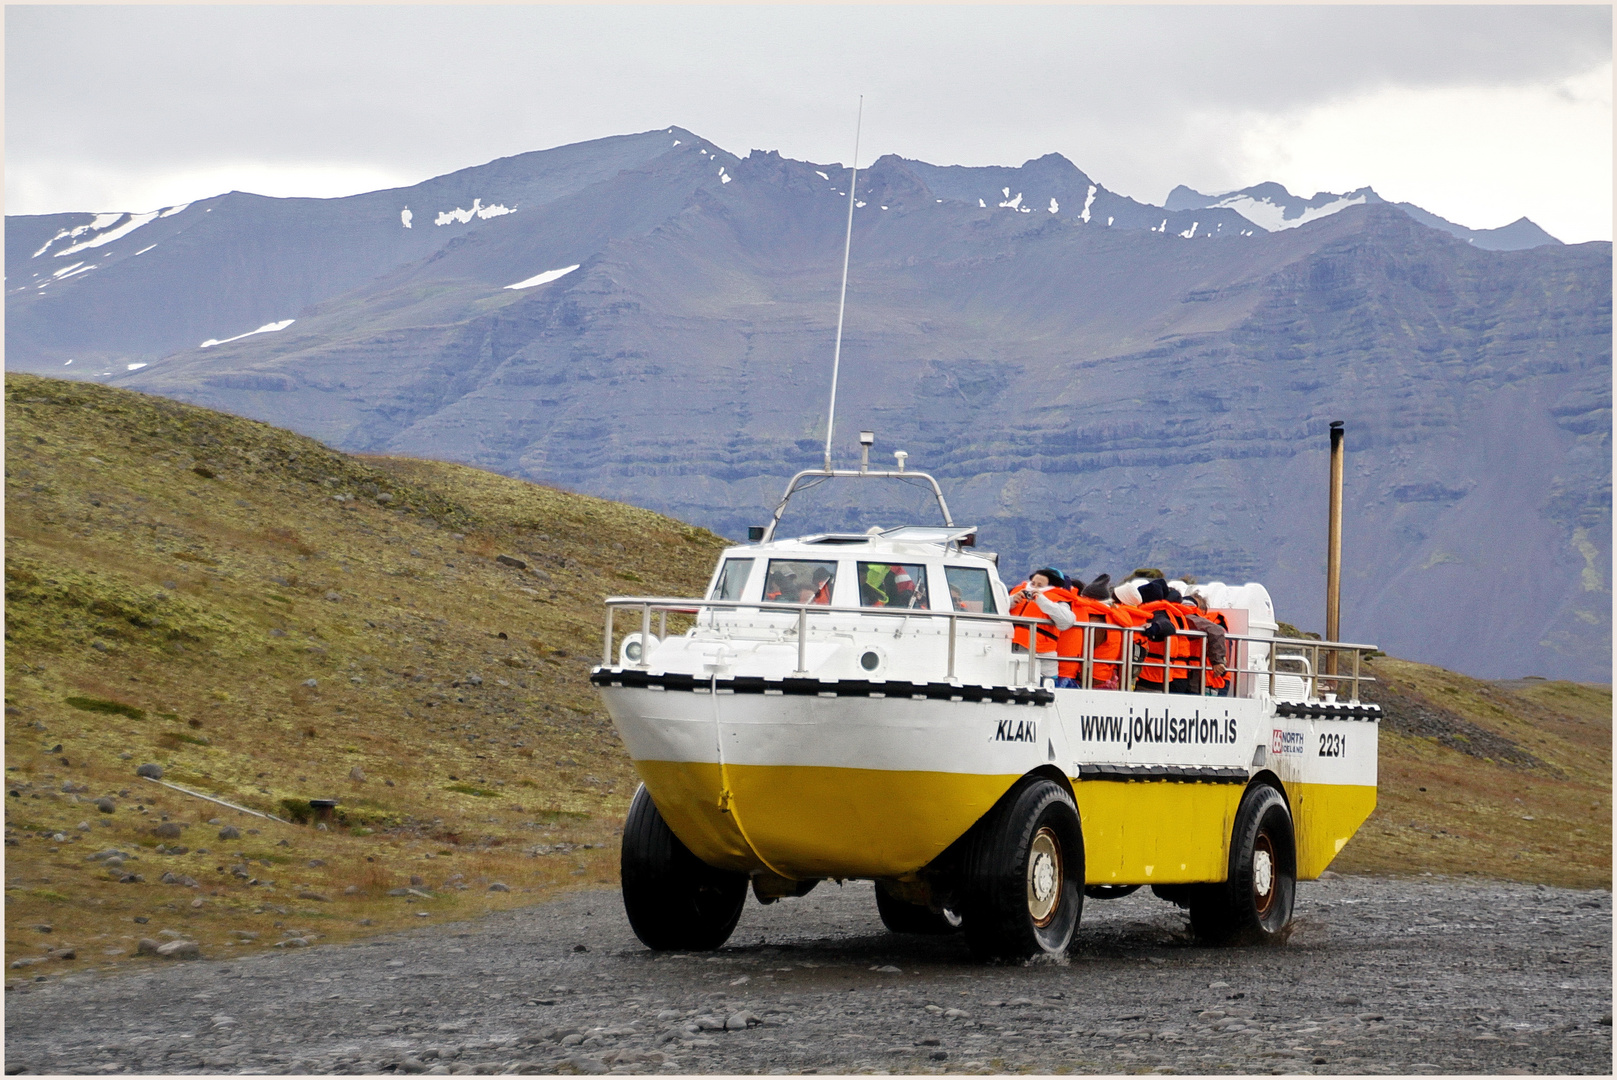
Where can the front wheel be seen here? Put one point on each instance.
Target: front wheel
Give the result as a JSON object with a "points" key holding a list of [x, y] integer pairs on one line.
{"points": [[1024, 874], [673, 899], [1254, 905]]}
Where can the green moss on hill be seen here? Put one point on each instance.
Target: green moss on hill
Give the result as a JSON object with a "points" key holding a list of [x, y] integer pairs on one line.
{"points": [[273, 622]]}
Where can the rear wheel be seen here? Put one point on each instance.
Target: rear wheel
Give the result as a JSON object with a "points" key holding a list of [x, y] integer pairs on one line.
{"points": [[1254, 905], [673, 899], [1024, 874], [903, 917]]}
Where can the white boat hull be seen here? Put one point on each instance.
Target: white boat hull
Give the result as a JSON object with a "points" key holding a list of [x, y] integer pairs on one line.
{"points": [[850, 778]]}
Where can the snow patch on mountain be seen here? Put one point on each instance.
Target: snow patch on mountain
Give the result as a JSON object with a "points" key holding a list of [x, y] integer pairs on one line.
{"points": [[119, 233], [1089, 200], [405, 217], [545, 278], [267, 328], [478, 210], [1267, 214], [171, 211], [96, 224]]}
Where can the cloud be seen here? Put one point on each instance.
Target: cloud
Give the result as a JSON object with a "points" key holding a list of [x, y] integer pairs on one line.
{"points": [[1140, 97], [94, 187], [1483, 157]]}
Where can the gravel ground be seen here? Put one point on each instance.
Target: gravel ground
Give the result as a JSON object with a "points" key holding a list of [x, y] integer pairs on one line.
{"points": [[1424, 976]]}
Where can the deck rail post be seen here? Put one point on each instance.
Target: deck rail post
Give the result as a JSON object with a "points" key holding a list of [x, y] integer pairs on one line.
{"points": [[802, 642], [1088, 681], [1126, 680], [953, 623]]}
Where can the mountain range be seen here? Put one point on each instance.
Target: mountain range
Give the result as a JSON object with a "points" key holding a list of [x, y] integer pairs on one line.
{"points": [[1100, 383]]}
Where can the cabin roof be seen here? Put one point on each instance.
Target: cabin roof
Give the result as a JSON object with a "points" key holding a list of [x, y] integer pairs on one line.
{"points": [[914, 541]]}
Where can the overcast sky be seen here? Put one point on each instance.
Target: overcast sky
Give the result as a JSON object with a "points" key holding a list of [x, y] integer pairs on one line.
{"points": [[1479, 114]]}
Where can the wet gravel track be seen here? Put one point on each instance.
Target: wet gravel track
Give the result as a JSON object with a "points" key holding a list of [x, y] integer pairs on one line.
{"points": [[1424, 976]]}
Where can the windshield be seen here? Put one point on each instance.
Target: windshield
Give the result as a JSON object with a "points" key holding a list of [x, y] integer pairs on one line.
{"points": [[800, 581], [969, 589], [732, 579], [892, 585]]}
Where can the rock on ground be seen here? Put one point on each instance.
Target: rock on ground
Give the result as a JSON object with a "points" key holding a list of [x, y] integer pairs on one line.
{"points": [[1407, 976]]}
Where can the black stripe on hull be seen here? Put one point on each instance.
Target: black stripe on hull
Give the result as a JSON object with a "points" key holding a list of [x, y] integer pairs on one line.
{"points": [[1322, 710], [1179, 774], [861, 688]]}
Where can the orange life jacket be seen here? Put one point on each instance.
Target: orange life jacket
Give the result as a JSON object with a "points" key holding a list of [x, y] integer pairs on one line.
{"points": [[1217, 682], [1174, 648], [1104, 645], [1197, 645], [1128, 617], [822, 595], [1049, 639]]}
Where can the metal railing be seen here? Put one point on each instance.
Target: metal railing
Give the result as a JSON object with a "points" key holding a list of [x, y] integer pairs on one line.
{"points": [[1133, 669]]}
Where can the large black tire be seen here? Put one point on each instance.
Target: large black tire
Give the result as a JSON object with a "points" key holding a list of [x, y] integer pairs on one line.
{"points": [[1254, 905], [903, 917], [1023, 887], [673, 899]]}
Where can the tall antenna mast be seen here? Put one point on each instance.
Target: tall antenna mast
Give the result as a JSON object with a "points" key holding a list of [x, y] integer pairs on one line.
{"points": [[842, 304]]}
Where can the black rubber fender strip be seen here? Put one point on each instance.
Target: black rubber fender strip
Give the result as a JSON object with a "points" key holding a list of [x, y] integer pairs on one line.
{"points": [[1321, 710], [1181, 774], [802, 687]]}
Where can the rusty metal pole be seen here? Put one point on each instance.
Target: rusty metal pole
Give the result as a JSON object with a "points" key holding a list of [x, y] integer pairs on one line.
{"points": [[1333, 554]]}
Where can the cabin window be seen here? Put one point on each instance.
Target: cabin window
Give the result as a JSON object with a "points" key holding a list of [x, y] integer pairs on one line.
{"points": [[892, 585], [800, 581], [732, 579], [969, 589]]}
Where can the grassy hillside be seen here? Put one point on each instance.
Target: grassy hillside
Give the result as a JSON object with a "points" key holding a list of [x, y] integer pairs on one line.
{"points": [[272, 622]]}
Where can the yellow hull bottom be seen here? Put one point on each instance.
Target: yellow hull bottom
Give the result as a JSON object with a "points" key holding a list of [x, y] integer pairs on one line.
{"points": [[802, 822]]}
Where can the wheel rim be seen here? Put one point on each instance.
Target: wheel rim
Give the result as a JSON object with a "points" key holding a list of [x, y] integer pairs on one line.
{"points": [[1263, 873], [1044, 877]]}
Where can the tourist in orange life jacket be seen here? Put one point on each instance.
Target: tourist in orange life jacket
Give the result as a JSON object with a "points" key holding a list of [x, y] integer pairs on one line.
{"points": [[1044, 595], [903, 593], [821, 593], [1096, 605], [1213, 625], [1126, 612], [1089, 605], [778, 585], [1164, 649]]}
